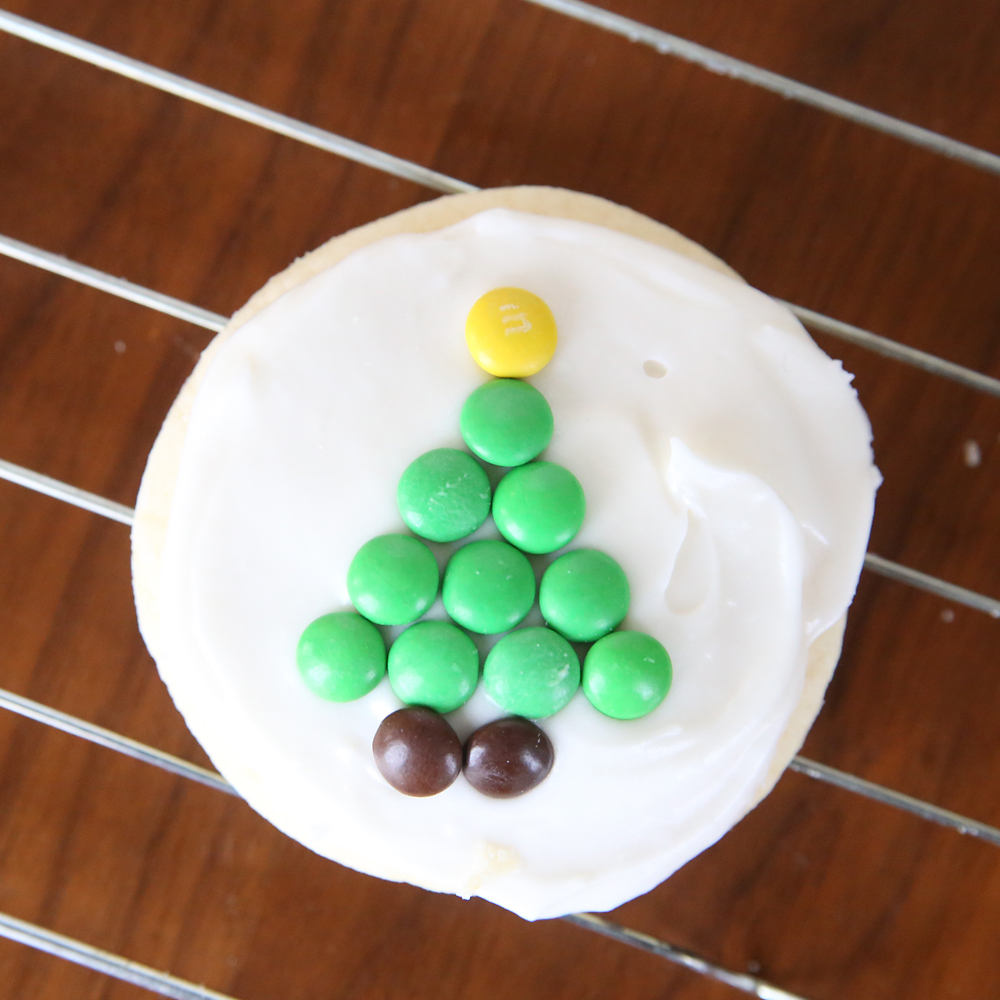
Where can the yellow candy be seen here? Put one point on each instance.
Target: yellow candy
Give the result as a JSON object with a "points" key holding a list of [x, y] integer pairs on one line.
{"points": [[511, 333]]}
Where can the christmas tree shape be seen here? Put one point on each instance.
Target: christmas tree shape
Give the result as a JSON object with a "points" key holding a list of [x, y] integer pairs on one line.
{"points": [[488, 588]]}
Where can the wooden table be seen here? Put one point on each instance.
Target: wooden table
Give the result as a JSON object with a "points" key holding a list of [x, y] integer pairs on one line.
{"points": [[825, 893]]}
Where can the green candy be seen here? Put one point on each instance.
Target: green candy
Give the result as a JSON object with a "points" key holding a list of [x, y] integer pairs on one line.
{"points": [[393, 579], [488, 587], [341, 656], [506, 422], [532, 672], [434, 664], [444, 495], [584, 594], [626, 674], [539, 507]]}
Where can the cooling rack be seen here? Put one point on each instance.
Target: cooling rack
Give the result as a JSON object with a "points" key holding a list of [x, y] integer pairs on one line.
{"points": [[968, 156]]}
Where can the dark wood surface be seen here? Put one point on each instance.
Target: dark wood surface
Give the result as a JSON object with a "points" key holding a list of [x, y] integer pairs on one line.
{"points": [[824, 893]]}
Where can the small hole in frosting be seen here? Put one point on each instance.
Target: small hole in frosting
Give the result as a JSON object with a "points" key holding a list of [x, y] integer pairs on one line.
{"points": [[654, 369]]}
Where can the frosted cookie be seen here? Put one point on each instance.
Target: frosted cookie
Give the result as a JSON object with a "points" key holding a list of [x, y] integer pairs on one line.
{"points": [[727, 470]]}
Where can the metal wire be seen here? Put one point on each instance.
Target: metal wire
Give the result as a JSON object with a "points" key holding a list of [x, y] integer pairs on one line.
{"points": [[932, 584], [214, 321], [107, 283], [233, 106], [160, 982], [126, 515], [113, 741], [104, 961], [740, 980], [158, 758], [63, 491], [180, 989], [635, 31], [851, 783], [894, 349], [667, 44], [750, 984]]}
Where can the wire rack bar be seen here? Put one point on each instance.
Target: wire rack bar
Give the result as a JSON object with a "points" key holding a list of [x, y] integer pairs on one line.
{"points": [[851, 783], [180, 989], [125, 515], [750, 984], [108, 283], [39, 938], [150, 755], [113, 741], [104, 961], [662, 41], [932, 584], [894, 349], [218, 100], [740, 980], [63, 491], [716, 62], [215, 321]]}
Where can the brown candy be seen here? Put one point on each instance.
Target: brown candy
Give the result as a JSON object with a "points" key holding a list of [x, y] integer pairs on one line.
{"points": [[507, 757], [417, 752]]}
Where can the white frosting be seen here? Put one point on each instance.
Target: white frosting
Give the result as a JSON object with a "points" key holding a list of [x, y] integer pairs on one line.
{"points": [[736, 492]]}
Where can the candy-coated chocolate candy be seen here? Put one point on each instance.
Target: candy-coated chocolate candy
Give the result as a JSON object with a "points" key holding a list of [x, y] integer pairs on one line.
{"points": [[584, 594], [434, 664], [539, 507], [627, 674], [341, 656], [393, 579], [444, 495], [507, 757], [488, 586], [532, 672], [417, 752], [511, 333], [507, 422]]}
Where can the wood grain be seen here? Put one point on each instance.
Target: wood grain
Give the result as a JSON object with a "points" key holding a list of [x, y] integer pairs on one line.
{"points": [[824, 893]]}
